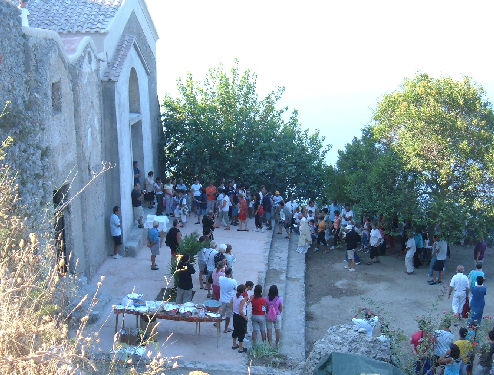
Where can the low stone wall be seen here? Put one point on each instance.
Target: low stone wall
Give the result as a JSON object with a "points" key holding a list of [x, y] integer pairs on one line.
{"points": [[346, 339]]}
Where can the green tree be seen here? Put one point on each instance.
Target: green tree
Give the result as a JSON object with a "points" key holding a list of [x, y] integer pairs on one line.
{"points": [[373, 180], [443, 132], [220, 127]]}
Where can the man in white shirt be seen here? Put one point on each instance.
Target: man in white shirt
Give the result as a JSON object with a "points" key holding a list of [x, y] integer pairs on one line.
{"points": [[292, 205], [375, 241], [410, 252], [460, 287], [441, 252], [444, 338], [346, 216], [208, 257], [181, 186], [196, 192], [228, 288], [116, 232], [277, 198], [332, 208], [223, 211]]}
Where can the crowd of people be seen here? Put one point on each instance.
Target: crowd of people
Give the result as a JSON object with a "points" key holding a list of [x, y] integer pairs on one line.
{"points": [[228, 205], [439, 352], [215, 263]]}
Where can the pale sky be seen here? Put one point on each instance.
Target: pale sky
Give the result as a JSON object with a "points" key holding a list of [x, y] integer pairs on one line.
{"points": [[336, 59]]}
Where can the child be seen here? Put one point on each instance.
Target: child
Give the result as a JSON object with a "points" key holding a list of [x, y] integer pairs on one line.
{"points": [[336, 228], [183, 209], [466, 348], [258, 316], [275, 302], [239, 307], [311, 216], [451, 360], [313, 233], [230, 259], [321, 231], [248, 287], [219, 271]]}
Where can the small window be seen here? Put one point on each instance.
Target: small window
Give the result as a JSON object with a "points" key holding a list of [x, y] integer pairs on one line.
{"points": [[56, 97], [89, 57]]}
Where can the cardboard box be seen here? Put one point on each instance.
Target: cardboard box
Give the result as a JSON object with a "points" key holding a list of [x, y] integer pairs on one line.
{"points": [[149, 328], [129, 336]]}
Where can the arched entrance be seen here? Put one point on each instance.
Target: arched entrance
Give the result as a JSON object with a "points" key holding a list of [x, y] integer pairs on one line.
{"points": [[135, 120]]}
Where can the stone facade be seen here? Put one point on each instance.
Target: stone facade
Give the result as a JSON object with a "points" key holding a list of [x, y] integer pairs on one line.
{"points": [[68, 115]]}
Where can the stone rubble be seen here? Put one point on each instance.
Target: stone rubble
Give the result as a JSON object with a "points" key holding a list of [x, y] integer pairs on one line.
{"points": [[346, 339]]}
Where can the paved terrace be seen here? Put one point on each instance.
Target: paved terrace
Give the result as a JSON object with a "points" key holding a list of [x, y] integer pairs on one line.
{"points": [[129, 274]]}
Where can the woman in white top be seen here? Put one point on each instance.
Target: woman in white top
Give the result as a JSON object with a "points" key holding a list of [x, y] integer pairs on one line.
{"points": [[239, 307], [149, 197]]}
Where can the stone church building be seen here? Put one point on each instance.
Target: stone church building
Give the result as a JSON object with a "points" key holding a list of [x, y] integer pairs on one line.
{"points": [[81, 79]]}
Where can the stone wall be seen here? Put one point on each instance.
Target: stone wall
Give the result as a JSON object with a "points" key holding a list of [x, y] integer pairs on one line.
{"points": [[87, 93], [54, 120]]}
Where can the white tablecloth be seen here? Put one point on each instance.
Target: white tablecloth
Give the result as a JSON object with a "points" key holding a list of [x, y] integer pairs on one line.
{"points": [[162, 220]]}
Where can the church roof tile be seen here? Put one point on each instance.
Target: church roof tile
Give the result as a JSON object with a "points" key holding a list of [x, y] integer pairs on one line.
{"points": [[73, 16]]}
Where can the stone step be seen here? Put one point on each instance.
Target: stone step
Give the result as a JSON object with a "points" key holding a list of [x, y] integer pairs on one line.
{"points": [[135, 241], [277, 264], [293, 323]]}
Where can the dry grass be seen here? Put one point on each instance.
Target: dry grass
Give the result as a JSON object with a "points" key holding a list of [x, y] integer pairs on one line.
{"points": [[34, 300]]}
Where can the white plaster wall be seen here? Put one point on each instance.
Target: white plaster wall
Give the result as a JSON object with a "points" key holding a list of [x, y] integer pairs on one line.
{"points": [[124, 135]]}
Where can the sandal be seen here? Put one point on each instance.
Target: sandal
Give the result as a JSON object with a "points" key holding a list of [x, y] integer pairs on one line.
{"points": [[235, 347], [228, 330], [154, 268], [244, 350]]}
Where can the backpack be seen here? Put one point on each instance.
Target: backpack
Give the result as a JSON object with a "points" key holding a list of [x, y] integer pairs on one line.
{"points": [[272, 314], [168, 239]]}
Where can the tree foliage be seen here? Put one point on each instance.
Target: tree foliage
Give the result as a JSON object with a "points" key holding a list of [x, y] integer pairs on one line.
{"points": [[428, 155], [374, 180], [220, 127], [443, 131]]}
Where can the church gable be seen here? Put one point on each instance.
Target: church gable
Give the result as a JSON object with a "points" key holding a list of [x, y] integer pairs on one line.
{"points": [[127, 42]]}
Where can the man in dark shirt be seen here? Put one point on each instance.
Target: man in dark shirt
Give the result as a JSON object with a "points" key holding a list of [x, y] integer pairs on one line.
{"points": [[208, 225], [479, 251], [351, 246], [235, 201], [266, 206], [137, 198], [173, 238], [185, 270]]}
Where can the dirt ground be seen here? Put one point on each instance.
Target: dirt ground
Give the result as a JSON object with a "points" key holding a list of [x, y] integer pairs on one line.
{"points": [[333, 294]]}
